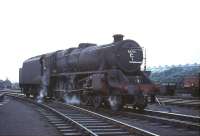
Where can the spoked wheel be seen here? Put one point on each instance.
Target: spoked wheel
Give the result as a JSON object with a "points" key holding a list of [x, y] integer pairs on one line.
{"points": [[97, 100], [115, 102], [28, 94], [35, 95], [141, 102], [85, 100], [26, 91]]}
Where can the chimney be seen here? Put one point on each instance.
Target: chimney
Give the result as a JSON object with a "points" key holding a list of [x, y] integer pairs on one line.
{"points": [[118, 37]]}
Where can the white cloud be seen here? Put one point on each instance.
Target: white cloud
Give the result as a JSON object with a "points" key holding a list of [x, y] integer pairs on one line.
{"points": [[168, 29]]}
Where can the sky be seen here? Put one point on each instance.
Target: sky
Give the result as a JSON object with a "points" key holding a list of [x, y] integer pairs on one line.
{"points": [[168, 29]]}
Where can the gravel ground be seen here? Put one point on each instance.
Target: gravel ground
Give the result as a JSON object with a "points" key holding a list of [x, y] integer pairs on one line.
{"points": [[18, 119]]}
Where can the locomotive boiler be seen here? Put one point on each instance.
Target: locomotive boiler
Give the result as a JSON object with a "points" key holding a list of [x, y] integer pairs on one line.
{"points": [[108, 75]]}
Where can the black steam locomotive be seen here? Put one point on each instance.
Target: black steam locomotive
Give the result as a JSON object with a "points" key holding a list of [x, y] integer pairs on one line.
{"points": [[99, 75]]}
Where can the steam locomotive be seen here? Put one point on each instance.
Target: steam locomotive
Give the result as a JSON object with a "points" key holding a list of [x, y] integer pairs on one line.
{"points": [[108, 75]]}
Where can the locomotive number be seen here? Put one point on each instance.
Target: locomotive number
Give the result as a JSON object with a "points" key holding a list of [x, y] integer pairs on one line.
{"points": [[131, 55]]}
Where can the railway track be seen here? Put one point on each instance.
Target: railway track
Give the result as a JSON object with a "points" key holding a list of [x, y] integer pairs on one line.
{"points": [[73, 120], [176, 120], [192, 102], [175, 116], [4, 92], [3, 101], [159, 122], [2, 96], [179, 97], [106, 122]]}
